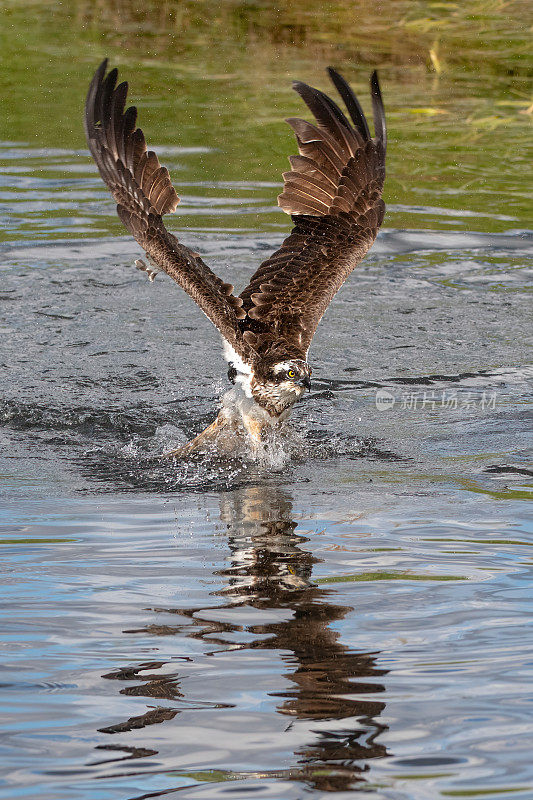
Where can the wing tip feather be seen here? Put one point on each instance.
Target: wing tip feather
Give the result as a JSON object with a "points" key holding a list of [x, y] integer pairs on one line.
{"points": [[351, 102], [380, 124], [119, 147]]}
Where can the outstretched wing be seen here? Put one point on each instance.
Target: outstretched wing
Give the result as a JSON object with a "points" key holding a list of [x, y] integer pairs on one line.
{"points": [[333, 194], [143, 192]]}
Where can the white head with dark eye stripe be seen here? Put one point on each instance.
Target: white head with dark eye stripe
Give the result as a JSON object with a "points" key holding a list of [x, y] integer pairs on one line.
{"points": [[292, 371], [281, 384]]}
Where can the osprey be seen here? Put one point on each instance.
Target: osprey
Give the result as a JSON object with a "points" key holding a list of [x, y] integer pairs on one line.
{"points": [[333, 195]]}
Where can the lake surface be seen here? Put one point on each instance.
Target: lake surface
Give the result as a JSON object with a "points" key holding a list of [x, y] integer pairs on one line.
{"points": [[351, 613]]}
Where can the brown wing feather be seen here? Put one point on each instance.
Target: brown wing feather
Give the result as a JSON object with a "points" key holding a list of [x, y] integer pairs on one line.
{"points": [[143, 192], [333, 193]]}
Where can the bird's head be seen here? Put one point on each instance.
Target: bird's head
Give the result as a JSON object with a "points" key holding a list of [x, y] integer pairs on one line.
{"points": [[278, 385]]}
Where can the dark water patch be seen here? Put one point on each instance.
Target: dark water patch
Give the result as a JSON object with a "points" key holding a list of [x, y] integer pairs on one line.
{"points": [[509, 469], [483, 378], [87, 423]]}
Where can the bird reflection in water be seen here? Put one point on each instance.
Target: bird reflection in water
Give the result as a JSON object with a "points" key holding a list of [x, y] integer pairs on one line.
{"points": [[270, 569]]}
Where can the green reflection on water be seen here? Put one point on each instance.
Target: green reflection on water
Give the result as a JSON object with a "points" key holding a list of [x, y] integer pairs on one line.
{"points": [[483, 792], [456, 79], [17, 542], [389, 576]]}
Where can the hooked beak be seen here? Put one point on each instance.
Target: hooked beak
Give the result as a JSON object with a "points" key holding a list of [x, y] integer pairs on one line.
{"points": [[306, 382]]}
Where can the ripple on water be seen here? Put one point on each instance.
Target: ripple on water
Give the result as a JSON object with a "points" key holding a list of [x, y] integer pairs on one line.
{"points": [[349, 612]]}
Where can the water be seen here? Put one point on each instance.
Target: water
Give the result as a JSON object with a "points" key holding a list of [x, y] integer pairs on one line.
{"points": [[352, 613]]}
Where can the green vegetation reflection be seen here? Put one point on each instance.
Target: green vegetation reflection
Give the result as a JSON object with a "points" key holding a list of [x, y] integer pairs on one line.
{"points": [[389, 576], [217, 77]]}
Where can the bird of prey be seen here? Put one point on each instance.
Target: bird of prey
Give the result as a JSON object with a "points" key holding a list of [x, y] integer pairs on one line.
{"points": [[333, 195]]}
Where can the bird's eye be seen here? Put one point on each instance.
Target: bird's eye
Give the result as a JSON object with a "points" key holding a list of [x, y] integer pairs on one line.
{"points": [[291, 373]]}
